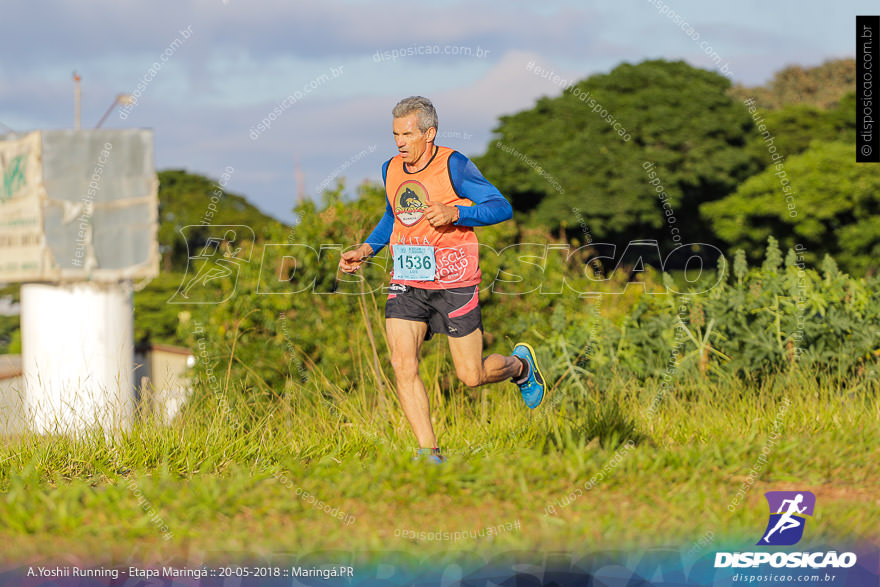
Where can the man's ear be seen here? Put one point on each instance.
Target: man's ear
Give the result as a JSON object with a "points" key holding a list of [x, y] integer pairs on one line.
{"points": [[430, 134]]}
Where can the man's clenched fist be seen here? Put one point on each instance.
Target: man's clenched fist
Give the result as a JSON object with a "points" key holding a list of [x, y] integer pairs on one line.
{"points": [[440, 214], [351, 260]]}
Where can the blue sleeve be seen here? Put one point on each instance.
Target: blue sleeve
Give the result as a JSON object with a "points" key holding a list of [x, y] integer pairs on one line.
{"points": [[382, 233], [490, 207]]}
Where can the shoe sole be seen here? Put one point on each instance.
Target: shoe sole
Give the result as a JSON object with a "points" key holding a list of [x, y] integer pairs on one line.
{"points": [[534, 362]]}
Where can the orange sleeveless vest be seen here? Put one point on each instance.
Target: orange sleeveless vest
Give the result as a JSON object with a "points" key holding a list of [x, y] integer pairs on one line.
{"points": [[456, 248]]}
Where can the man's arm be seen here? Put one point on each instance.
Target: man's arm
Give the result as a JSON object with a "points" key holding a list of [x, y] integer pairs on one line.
{"points": [[490, 207], [381, 235]]}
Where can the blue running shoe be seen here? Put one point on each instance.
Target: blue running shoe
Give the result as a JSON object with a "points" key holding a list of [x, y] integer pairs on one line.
{"points": [[531, 384], [430, 455]]}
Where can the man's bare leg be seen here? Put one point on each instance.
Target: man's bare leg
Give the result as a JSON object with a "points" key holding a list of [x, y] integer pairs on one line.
{"points": [[473, 369], [405, 338]]}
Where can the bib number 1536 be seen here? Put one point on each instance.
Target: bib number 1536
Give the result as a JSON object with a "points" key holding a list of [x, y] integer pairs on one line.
{"points": [[414, 262]]}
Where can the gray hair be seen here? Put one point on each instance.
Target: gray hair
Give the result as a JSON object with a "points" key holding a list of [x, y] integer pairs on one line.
{"points": [[427, 116]]}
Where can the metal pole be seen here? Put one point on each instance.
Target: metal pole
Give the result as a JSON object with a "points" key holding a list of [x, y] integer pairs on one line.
{"points": [[106, 114], [120, 99], [76, 99]]}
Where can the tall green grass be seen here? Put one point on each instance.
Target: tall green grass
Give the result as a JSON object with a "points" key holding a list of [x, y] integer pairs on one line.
{"points": [[228, 475], [213, 475]]}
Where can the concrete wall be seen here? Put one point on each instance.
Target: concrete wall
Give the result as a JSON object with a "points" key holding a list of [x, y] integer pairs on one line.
{"points": [[163, 374], [12, 414], [162, 377]]}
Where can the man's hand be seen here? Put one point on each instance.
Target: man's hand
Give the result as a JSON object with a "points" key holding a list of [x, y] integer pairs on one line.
{"points": [[440, 214], [351, 260]]}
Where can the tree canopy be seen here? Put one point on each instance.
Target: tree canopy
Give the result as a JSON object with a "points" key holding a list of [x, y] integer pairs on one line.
{"points": [[566, 155], [836, 206], [185, 199], [821, 87], [794, 126]]}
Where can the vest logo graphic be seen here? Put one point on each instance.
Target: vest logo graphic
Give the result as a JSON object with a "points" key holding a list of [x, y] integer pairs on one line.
{"points": [[788, 516], [410, 202]]}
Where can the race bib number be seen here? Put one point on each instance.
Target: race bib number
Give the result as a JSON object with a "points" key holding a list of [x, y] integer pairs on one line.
{"points": [[414, 262]]}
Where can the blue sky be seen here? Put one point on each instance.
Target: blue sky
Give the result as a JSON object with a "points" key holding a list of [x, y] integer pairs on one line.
{"points": [[242, 59]]}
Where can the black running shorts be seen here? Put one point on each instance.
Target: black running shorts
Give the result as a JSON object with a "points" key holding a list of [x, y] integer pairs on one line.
{"points": [[454, 312]]}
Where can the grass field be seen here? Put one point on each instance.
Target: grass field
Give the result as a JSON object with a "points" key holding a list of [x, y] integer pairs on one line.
{"points": [[321, 468]]}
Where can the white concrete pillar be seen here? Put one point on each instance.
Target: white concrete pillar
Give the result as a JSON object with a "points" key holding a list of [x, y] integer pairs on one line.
{"points": [[77, 356]]}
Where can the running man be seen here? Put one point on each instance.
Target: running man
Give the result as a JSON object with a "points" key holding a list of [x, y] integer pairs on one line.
{"points": [[434, 198], [787, 520]]}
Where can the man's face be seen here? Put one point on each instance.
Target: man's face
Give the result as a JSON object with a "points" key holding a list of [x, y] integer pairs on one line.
{"points": [[411, 142]]}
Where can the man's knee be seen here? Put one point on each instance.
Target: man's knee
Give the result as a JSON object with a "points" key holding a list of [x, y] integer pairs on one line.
{"points": [[405, 367], [471, 378]]}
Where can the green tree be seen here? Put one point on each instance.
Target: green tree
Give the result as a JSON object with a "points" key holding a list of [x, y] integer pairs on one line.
{"points": [[185, 199], [821, 87], [793, 127], [836, 207], [566, 153]]}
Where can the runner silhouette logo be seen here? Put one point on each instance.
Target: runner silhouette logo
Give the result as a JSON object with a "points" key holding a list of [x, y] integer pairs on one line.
{"points": [[788, 516]]}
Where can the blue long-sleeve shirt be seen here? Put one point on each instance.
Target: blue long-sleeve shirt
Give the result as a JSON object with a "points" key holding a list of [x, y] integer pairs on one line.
{"points": [[490, 207]]}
